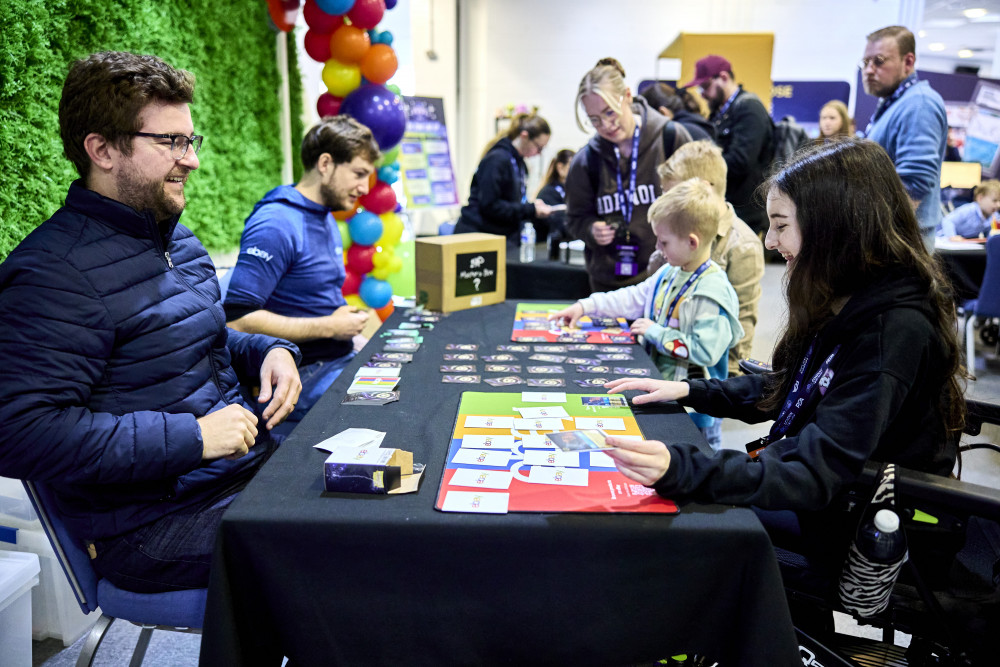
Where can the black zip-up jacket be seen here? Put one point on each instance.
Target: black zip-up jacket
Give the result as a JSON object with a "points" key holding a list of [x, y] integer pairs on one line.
{"points": [[495, 205], [744, 133]]}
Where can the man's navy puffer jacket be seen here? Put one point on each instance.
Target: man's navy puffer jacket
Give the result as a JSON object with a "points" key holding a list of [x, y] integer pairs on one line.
{"points": [[112, 343]]}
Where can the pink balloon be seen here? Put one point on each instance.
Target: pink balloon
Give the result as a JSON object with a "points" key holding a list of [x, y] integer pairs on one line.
{"points": [[366, 14], [328, 105]]}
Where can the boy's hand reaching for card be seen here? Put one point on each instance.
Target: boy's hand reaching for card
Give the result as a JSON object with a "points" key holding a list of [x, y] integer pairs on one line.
{"points": [[567, 316]]}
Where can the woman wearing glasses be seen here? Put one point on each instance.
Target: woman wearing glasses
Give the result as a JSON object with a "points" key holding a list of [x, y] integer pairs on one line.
{"points": [[612, 180], [498, 199]]}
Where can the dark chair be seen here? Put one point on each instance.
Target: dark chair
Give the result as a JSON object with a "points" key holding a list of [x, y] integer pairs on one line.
{"points": [[179, 611], [986, 307]]}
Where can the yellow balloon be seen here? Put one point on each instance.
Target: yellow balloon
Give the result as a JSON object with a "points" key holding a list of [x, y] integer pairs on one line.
{"points": [[380, 272], [356, 301], [392, 230], [341, 78]]}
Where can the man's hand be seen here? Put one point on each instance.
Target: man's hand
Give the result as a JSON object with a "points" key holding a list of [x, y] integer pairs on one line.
{"points": [[228, 432], [643, 461], [279, 384], [568, 316], [657, 391], [602, 232], [347, 322]]}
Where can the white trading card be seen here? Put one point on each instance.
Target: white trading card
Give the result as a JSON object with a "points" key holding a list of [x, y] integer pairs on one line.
{"points": [[481, 421], [559, 475], [536, 442], [580, 441], [542, 457], [543, 396], [601, 460], [482, 479], [482, 457], [546, 424], [379, 372], [476, 501], [488, 441], [606, 423], [536, 413]]}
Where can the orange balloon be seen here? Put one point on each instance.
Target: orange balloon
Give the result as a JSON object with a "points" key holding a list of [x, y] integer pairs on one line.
{"points": [[372, 180], [379, 64], [344, 215], [349, 44], [385, 311]]}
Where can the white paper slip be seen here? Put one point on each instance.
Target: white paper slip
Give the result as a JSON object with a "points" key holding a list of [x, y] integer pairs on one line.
{"points": [[482, 457], [379, 372], [538, 413], [480, 421], [545, 424], [601, 460], [476, 501], [488, 441], [352, 437], [542, 457], [606, 423], [482, 479], [543, 396], [559, 475], [536, 442]]}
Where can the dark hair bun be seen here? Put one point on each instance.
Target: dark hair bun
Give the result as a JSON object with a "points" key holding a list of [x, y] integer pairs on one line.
{"points": [[611, 62]]}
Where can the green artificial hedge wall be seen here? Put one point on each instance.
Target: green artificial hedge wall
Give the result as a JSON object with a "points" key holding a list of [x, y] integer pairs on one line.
{"points": [[229, 45]]}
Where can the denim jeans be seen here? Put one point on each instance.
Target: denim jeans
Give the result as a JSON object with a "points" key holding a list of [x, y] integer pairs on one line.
{"points": [[316, 379]]}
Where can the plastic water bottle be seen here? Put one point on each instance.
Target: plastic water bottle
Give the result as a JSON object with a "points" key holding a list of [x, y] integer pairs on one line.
{"points": [[873, 564], [527, 243]]}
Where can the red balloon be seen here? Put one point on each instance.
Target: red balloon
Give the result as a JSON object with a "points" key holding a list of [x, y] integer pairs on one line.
{"points": [[359, 258], [380, 199], [317, 45], [385, 311], [366, 13], [328, 105], [319, 20], [352, 282]]}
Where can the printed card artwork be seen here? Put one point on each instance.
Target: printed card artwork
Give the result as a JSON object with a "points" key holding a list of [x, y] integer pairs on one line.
{"points": [[499, 358], [371, 398], [458, 368], [460, 356], [464, 347], [503, 368], [614, 400], [633, 372], [513, 348], [536, 442], [504, 381], [593, 369], [401, 357], [546, 382], [551, 358], [606, 423], [546, 369], [461, 379], [593, 382], [580, 441]]}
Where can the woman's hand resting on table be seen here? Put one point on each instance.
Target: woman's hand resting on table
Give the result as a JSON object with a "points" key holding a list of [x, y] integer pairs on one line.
{"points": [[643, 461], [657, 391]]}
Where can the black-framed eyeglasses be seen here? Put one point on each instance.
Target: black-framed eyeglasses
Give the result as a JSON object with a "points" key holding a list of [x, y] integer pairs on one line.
{"points": [[878, 61], [179, 143]]}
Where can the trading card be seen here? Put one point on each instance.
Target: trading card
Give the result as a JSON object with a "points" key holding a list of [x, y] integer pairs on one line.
{"points": [[592, 382], [498, 358], [612, 401], [401, 347], [550, 349], [502, 368], [458, 368], [635, 372], [461, 356], [546, 369], [593, 369], [604, 322], [616, 357], [532, 339], [513, 348], [461, 379], [465, 347], [504, 381], [552, 358], [402, 357], [586, 440], [383, 364], [546, 382], [371, 398], [582, 361]]}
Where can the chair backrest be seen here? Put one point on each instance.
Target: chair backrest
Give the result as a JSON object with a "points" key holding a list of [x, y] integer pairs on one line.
{"points": [[989, 294], [71, 555]]}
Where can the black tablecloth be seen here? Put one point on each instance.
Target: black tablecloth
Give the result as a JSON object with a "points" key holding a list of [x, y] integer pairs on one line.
{"points": [[338, 579], [545, 279], [965, 268]]}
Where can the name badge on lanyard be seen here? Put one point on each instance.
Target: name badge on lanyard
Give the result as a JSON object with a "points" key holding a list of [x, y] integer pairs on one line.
{"points": [[627, 253], [800, 396]]}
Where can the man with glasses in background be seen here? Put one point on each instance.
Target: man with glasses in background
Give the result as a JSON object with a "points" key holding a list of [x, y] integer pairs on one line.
{"points": [[119, 381], [910, 122], [743, 131]]}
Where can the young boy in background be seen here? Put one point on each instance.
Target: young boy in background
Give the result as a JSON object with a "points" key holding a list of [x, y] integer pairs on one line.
{"points": [[735, 248], [971, 220], [687, 313]]}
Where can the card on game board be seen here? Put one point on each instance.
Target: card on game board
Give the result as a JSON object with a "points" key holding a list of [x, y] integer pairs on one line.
{"points": [[466, 347], [457, 368], [606, 423], [578, 441], [504, 381], [536, 442], [503, 368], [633, 372], [372, 383], [546, 382], [475, 501], [488, 441], [486, 421], [482, 479], [543, 396], [559, 475], [551, 457], [549, 424], [461, 379], [482, 457], [461, 356], [371, 398], [535, 413]]}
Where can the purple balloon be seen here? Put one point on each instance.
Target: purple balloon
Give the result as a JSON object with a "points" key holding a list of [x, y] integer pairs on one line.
{"points": [[380, 109], [389, 4]]}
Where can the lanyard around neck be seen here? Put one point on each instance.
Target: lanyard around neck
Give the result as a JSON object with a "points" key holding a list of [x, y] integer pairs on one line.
{"points": [[626, 197], [519, 177], [884, 104]]}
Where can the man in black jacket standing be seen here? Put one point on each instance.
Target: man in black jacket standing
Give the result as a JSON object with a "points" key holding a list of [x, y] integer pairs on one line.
{"points": [[743, 131]]}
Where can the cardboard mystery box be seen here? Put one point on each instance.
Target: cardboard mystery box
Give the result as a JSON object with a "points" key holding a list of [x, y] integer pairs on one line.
{"points": [[461, 271], [370, 470]]}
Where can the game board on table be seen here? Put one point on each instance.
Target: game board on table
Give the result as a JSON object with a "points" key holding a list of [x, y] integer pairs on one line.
{"points": [[531, 325], [500, 461]]}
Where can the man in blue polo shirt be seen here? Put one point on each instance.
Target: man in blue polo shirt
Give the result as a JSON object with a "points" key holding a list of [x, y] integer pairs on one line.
{"points": [[910, 121], [290, 270]]}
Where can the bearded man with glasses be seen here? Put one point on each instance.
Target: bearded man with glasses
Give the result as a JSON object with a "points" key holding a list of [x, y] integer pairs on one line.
{"points": [[910, 122], [119, 383]]}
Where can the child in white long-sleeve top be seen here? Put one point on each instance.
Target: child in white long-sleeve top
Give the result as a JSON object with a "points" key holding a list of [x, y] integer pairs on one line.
{"points": [[687, 313]]}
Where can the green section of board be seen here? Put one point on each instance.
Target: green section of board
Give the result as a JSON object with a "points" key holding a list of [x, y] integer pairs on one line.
{"points": [[503, 403]]}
